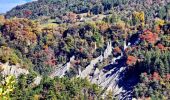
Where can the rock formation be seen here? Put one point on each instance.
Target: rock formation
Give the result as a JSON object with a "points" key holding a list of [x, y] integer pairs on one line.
{"points": [[12, 70]]}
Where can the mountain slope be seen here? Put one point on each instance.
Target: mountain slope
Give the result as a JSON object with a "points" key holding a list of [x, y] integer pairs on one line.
{"points": [[121, 53], [55, 8]]}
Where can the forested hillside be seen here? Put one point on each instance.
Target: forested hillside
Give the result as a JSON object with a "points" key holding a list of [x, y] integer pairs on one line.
{"points": [[57, 8], [86, 50]]}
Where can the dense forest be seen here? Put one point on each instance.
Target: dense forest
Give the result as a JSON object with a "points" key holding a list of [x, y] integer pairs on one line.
{"points": [[58, 8], [86, 50]]}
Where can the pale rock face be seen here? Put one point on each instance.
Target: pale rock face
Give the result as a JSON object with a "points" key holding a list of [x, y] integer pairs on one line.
{"points": [[107, 80], [37, 80], [12, 70], [126, 46], [114, 59], [97, 71], [108, 50], [15, 70], [79, 70], [90, 67], [113, 85], [62, 69], [110, 83], [102, 75], [134, 99]]}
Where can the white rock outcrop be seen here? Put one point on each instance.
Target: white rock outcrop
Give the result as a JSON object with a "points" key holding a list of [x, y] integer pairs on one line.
{"points": [[90, 67], [108, 50], [61, 70], [37, 80], [12, 70], [107, 80], [126, 46]]}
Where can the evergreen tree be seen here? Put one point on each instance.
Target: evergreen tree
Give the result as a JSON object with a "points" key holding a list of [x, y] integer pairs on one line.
{"points": [[156, 64], [166, 64], [161, 68]]}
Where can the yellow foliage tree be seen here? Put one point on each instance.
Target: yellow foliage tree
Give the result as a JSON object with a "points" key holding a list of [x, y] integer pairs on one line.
{"points": [[139, 16], [7, 88], [159, 21], [50, 39], [142, 16], [36, 97], [121, 24], [2, 19]]}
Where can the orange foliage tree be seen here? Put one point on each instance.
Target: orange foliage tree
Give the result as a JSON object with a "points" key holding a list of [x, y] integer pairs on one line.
{"points": [[21, 31], [131, 60], [160, 46], [149, 37]]}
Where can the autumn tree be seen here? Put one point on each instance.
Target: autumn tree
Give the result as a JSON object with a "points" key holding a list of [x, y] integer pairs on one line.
{"points": [[7, 88], [21, 32], [2, 20], [138, 18]]}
